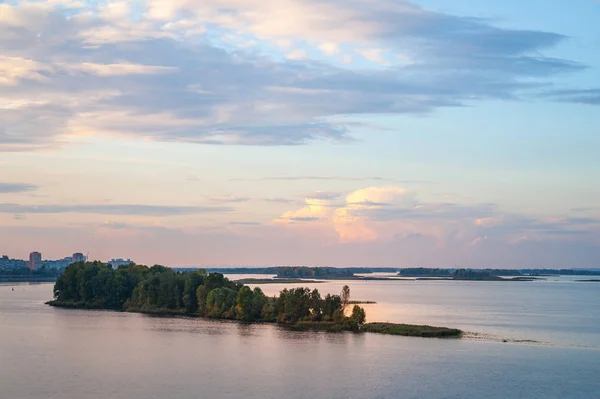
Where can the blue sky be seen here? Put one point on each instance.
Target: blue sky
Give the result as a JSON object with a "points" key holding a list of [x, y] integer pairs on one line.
{"points": [[230, 132]]}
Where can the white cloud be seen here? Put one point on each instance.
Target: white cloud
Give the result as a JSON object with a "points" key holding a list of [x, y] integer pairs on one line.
{"points": [[387, 213], [297, 55], [14, 69], [374, 55], [149, 56], [330, 48], [118, 69]]}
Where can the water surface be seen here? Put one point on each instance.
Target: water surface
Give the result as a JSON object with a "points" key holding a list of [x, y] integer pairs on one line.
{"points": [[57, 353]]}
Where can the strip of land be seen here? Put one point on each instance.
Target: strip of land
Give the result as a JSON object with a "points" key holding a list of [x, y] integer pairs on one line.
{"points": [[418, 273], [410, 330], [275, 281], [26, 279]]}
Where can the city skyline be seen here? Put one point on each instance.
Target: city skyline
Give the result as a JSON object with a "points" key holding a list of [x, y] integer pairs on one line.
{"points": [[227, 133]]}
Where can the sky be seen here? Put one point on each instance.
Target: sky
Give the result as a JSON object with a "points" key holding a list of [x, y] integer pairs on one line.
{"points": [[397, 133]]}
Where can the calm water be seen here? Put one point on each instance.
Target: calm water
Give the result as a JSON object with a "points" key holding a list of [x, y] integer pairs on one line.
{"points": [[559, 311], [57, 353]]}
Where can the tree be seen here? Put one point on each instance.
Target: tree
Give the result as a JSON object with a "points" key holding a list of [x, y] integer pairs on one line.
{"points": [[359, 316], [330, 305], [244, 304], [191, 284], [220, 303], [259, 300], [160, 289], [345, 296], [201, 294], [316, 304]]}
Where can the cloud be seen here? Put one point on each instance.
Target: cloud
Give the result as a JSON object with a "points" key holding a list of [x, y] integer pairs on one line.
{"points": [[245, 223], [324, 178], [297, 55], [160, 71], [582, 96], [373, 55], [229, 199], [13, 70], [390, 212], [585, 209], [267, 245], [303, 219], [115, 225], [325, 195], [113, 209], [16, 187], [278, 200]]}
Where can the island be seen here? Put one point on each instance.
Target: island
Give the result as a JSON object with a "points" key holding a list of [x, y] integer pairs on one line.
{"points": [[421, 273], [299, 271], [295, 274], [159, 290]]}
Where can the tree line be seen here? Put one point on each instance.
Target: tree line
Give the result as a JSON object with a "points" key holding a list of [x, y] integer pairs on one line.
{"points": [[159, 289], [26, 271]]}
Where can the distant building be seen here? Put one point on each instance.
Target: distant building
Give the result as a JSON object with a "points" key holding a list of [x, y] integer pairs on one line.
{"points": [[115, 263], [35, 260], [78, 257]]}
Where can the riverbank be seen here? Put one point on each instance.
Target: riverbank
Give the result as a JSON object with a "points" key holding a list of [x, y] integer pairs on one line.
{"points": [[407, 330], [26, 279]]}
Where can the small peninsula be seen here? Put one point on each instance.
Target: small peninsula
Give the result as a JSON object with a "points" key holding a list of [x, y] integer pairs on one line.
{"points": [[160, 290]]}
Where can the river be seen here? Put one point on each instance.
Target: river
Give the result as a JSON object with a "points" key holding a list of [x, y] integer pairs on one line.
{"points": [[47, 352]]}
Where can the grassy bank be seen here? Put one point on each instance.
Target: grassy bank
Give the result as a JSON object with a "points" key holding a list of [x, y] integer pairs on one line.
{"points": [[410, 330]]}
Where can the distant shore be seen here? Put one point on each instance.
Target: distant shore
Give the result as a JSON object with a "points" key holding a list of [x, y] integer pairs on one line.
{"points": [[318, 280], [26, 279], [276, 281]]}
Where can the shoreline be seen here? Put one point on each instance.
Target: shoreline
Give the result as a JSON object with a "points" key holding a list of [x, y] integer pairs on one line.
{"points": [[400, 329], [316, 280], [27, 279]]}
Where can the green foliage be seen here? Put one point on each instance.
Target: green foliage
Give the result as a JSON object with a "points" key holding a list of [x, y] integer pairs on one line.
{"points": [[359, 316], [27, 272], [245, 304], [201, 294], [97, 284], [160, 290], [330, 305], [190, 288], [220, 303]]}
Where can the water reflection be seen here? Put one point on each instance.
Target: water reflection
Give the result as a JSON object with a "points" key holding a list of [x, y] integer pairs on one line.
{"points": [[54, 353], [559, 311]]}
